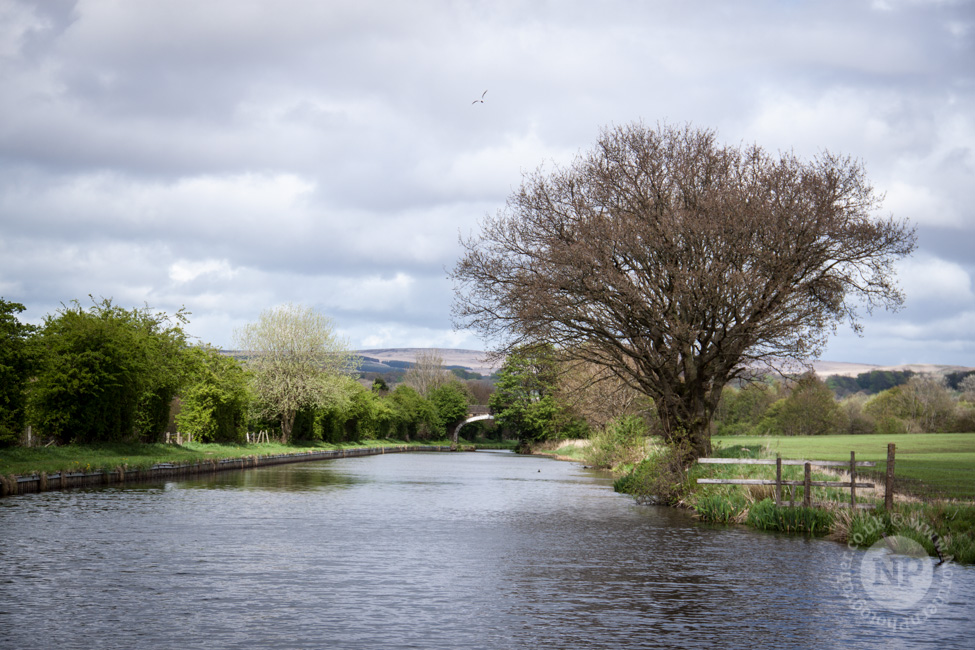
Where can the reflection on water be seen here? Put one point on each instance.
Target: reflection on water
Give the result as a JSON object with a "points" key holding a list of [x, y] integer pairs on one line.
{"points": [[290, 478], [486, 550]]}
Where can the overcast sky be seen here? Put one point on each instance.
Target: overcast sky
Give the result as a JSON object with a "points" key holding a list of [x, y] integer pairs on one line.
{"points": [[233, 155]]}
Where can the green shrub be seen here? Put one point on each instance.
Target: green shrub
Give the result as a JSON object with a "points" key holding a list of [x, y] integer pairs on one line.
{"points": [[659, 479]]}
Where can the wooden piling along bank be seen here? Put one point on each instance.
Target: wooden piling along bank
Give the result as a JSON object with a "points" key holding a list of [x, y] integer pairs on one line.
{"points": [[43, 482]]}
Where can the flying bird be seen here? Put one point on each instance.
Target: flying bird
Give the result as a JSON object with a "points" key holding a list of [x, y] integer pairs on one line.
{"points": [[481, 100]]}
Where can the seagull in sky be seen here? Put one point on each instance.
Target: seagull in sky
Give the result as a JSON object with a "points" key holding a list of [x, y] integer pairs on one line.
{"points": [[481, 100]]}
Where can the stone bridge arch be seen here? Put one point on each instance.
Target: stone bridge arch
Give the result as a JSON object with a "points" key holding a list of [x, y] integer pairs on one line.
{"points": [[473, 416]]}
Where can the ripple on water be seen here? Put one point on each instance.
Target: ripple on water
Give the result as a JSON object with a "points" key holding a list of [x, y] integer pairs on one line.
{"points": [[419, 551]]}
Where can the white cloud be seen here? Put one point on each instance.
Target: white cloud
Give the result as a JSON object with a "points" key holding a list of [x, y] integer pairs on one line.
{"points": [[928, 279], [922, 205], [183, 271]]}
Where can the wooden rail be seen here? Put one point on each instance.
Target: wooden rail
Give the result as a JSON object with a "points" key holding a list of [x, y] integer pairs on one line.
{"points": [[807, 483]]}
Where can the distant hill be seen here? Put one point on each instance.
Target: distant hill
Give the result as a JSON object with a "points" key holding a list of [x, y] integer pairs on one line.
{"points": [[401, 358], [475, 361], [844, 369]]}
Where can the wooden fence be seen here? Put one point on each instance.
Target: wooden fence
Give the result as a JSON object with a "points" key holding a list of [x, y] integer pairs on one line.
{"points": [[807, 483]]}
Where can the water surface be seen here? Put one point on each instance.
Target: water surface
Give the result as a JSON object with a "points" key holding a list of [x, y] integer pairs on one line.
{"points": [[425, 550]]}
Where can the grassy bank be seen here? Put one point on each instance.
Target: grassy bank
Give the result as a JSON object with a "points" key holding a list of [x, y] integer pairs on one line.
{"points": [[937, 466], [563, 449], [106, 457]]}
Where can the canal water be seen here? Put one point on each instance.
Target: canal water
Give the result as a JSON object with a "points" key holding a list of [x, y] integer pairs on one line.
{"points": [[469, 550]]}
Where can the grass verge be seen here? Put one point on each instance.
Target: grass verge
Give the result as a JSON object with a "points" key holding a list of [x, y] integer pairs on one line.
{"points": [[105, 457]]}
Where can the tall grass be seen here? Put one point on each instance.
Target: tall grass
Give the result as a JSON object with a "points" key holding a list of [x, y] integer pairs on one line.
{"points": [[721, 509], [945, 527], [622, 443], [765, 515]]}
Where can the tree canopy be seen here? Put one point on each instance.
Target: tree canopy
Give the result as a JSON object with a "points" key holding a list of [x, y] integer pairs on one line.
{"points": [[16, 366], [525, 398], [213, 404], [293, 352], [679, 263], [107, 374]]}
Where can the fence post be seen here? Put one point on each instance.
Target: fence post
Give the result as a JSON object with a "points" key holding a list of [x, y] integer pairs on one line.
{"points": [[778, 480], [853, 480], [889, 483], [807, 487]]}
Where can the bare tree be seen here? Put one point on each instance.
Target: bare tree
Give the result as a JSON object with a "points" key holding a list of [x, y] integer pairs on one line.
{"points": [[678, 263], [294, 354], [427, 372], [598, 395]]}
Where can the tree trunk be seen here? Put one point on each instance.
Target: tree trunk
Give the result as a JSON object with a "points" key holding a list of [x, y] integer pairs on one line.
{"points": [[687, 428], [287, 424]]}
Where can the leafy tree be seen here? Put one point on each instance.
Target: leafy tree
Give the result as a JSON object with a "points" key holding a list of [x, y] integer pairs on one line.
{"points": [[886, 410], [364, 414], [926, 401], [860, 422], [876, 381], [412, 416], [304, 427], [842, 385], [967, 388], [742, 409], [524, 399], [679, 264], [107, 373], [452, 402], [213, 405], [810, 410], [16, 367], [292, 352], [923, 404], [955, 379]]}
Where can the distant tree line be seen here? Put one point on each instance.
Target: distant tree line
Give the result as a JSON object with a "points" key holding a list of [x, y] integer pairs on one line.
{"points": [[808, 406], [869, 383], [103, 373]]}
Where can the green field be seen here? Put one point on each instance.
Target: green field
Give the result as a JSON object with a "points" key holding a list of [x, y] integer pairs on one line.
{"points": [[929, 465]]}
